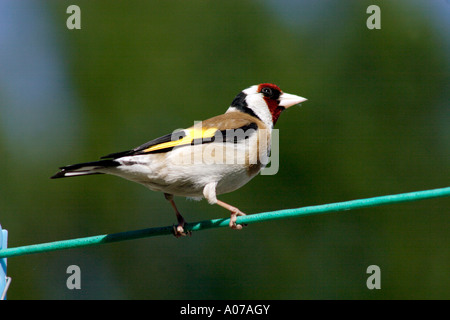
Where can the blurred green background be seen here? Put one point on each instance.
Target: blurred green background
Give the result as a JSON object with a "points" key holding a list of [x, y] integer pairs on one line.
{"points": [[377, 122]]}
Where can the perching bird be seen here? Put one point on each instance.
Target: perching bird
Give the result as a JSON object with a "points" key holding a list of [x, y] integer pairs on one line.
{"points": [[213, 157]]}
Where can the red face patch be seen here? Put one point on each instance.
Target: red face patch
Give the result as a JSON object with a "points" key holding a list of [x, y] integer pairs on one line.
{"points": [[271, 94], [269, 85]]}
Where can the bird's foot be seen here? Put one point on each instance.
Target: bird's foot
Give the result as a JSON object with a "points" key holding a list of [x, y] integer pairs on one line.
{"points": [[235, 212], [179, 231]]}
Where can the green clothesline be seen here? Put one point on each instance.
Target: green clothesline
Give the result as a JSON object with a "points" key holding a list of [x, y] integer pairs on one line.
{"points": [[217, 223]]}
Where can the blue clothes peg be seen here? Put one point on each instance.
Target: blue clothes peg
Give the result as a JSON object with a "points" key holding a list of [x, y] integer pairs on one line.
{"points": [[4, 280]]}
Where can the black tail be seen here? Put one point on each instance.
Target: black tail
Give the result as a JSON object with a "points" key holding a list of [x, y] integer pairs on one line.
{"points": [[82, 169]]}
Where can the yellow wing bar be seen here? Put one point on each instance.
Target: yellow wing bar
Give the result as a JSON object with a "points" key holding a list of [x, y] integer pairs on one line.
{"points": [[191, 135]]}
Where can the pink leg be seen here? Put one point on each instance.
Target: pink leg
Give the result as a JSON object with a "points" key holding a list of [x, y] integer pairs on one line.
{"points": [[178, 230], [234, 213]]}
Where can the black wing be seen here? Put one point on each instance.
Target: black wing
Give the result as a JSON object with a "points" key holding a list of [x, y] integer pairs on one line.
{"points": [[139, 150]]}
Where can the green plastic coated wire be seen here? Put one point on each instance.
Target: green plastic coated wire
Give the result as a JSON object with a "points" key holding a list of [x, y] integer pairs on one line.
{"points": [[217, 223]]}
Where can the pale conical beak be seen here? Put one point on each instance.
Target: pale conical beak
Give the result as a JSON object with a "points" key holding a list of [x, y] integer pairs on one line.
{"points": [[288, 100]]}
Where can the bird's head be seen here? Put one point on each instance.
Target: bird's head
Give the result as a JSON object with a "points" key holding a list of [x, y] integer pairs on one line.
{"points": [[265, 101]]}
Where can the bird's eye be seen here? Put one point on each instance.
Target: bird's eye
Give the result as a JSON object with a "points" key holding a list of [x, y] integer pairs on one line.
{"points": [[267, 92]]}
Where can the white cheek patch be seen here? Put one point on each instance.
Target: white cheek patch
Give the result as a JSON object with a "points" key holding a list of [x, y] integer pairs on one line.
{"points": [[259, 107]]}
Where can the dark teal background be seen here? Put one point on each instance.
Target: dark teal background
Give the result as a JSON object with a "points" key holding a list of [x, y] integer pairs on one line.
{"points": [[376, 122]]}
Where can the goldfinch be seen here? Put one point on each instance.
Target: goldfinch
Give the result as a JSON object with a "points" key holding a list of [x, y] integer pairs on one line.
{"points": [[213, 157]]}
